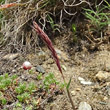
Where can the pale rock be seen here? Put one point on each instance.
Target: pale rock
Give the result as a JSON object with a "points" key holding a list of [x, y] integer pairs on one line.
{"points": [[103, 76], [42, 55], [40, 69], [82, 81], [13, 71], [86, 82], [64, 67], [73, 93], [84, 106], [105, 98], [11, 56], [78, 89]]}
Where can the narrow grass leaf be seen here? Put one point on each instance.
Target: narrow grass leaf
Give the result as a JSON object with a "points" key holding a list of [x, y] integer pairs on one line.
{"points": [[68, 85]]}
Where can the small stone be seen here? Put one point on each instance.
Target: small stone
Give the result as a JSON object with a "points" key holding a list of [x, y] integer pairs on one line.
{"points": [[11, 56], [42, 55], [84, 106], [40, 69], [13, 71], [64, 67], [105, 98], [78, 89], [103, 76], [82, 81], [50, 61], [15, 66], [73, 93], [86, 82]]}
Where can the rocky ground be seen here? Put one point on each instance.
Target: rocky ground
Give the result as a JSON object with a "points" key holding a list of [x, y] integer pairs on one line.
{"points": [[90, 72]]}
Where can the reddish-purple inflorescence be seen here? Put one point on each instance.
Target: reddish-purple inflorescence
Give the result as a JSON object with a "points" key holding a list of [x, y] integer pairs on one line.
{"points": [[48, 42]]}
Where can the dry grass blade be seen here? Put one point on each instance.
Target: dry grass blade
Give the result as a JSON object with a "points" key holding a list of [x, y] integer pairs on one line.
{"points": [[48, 42], [4, 6]]}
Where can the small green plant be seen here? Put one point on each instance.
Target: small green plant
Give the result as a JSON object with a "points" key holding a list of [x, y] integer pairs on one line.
{"points": [[13, 77], [31, 71], [75, 39], [2, 1], [74, 28], [107, 3], [6, 81], [21, 88], [18, 104], [34, 102], [23, 97], [55, 27], [29, 107], [2, 99], [62, 85], [98, 19], [49, 80], [39, 76], [31, 87], [24, 91]]}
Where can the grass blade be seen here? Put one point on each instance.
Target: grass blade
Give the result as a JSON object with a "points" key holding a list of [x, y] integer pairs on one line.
{"points": [[68, 85]]}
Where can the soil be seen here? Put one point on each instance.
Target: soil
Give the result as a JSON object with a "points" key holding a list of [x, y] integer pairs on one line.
{"points": [[78, 63]]}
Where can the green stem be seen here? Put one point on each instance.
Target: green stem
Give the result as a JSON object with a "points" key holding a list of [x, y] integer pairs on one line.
{"points": [[71, 101], [69, 96]]}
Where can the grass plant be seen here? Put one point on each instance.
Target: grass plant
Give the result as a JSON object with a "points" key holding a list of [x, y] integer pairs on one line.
{"points": [[98, 18]]}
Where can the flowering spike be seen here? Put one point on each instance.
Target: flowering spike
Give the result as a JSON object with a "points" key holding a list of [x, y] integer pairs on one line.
{"points": [[48, 42]]}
